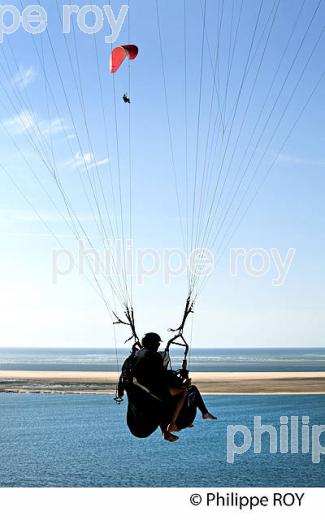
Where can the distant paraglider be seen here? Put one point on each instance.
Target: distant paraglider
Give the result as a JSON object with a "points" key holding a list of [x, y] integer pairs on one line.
{"points": [[119, 54], [126, 98]]}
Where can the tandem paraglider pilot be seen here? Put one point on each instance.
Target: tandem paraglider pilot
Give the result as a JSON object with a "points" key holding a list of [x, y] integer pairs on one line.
{"points": [[157, 396]]}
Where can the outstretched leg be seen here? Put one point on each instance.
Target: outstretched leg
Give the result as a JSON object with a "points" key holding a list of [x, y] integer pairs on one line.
{"points": [[198, 399]]}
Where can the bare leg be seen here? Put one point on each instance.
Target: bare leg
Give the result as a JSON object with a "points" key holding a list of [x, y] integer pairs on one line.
{"points": [[200, 404], [182, 393]]}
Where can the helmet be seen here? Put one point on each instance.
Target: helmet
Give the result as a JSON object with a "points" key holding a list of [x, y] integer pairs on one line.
{"points": [[151, 339]]}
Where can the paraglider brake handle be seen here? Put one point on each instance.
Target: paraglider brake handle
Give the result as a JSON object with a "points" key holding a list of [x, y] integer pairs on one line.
{"points": [[180, 334], [173, 341]]}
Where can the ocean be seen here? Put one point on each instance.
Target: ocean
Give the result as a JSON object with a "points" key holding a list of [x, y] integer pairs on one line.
{"points": [[200, 359], [83, 441]]}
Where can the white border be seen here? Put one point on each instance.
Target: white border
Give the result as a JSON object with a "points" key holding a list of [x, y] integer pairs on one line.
{"points": [[147, 504]]}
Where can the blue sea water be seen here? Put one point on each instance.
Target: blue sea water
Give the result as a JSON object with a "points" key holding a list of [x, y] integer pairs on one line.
{"points": [[201, 359], [83, 441]]}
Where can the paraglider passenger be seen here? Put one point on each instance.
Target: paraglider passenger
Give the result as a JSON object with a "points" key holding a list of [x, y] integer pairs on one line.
{"points": [[149, 371], [126, 99]]}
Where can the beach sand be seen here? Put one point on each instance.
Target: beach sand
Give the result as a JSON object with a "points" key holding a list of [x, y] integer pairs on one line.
{"points": [[208, 382]]}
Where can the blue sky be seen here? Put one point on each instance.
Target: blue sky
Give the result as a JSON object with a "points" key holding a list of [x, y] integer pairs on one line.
{"points": [[288, 214]]}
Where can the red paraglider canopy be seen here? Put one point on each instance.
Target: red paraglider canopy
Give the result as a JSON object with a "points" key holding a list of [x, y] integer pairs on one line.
{"points": [[120, 53]]}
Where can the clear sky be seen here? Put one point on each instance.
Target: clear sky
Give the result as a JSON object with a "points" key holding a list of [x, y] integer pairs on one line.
{"points": [[51, 114]]}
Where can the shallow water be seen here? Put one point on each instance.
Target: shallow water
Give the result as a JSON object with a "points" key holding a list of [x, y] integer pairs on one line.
{"points": [[83, 441], [200, 359]]}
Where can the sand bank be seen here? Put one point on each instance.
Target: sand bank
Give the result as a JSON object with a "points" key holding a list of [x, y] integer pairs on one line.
{"points": [[208, 382]]}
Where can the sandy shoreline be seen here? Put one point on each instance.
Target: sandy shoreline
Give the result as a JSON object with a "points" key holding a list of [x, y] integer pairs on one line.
{"points": [[262, 383]]}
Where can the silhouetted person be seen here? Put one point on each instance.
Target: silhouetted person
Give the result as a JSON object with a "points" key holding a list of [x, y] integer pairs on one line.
{"points": [[126, 99], [150, 372]]}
